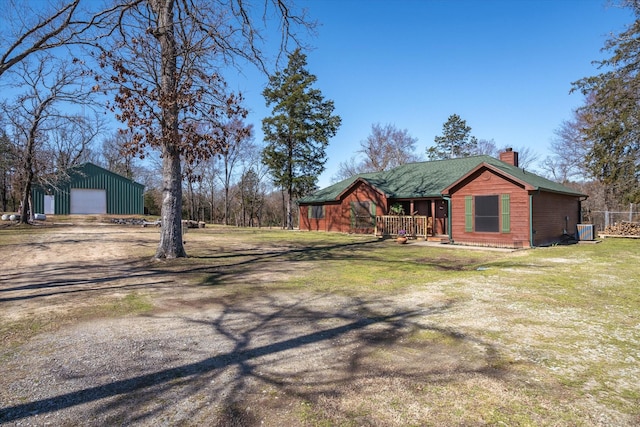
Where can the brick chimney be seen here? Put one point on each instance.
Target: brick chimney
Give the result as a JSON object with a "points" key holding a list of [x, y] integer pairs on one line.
{"points": [[509, 156]]}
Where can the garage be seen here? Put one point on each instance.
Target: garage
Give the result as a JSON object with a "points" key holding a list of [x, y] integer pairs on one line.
{"points": [[88, 201], [89, 189]]}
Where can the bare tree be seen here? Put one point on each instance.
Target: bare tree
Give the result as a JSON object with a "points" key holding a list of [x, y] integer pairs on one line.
{"points": [[36, 114], [347, 169], [8, 161], [114, 155], [27, 28], [165, 63], [569, 149], [71, 142], [253, 186], [239, 139], [527, 157], [385, 148], [486, 147], [210, 178]]}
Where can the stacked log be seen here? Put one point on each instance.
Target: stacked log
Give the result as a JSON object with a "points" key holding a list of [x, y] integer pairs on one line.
{"points": [[192, 224], [623, 228]]}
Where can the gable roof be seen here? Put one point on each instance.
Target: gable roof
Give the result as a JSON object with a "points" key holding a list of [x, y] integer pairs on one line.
{"points": [[86, 170], [433, 179]]}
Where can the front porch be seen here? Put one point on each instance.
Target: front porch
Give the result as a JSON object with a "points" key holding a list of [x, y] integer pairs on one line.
{"points": [[414, 226]]}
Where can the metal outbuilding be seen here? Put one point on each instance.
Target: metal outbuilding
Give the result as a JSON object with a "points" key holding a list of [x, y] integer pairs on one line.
{"points": [[90, 189]]}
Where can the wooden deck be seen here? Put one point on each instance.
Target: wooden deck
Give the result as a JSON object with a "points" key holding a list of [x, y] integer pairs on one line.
{"points": [[413, 226]]}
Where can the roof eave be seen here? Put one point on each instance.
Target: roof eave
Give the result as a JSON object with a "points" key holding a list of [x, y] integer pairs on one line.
{"points": [[358, 181], [447, 190]]}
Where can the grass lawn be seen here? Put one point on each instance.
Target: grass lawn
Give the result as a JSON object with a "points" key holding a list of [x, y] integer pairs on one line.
{"points": [[443, 335]]}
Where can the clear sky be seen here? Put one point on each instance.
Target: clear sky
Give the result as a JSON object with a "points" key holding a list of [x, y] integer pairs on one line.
{"points": [[504, 66]]}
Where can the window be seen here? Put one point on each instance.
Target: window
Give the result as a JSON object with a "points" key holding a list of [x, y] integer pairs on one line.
{"points": [[487, 214], [363, 214], [316, 212]]}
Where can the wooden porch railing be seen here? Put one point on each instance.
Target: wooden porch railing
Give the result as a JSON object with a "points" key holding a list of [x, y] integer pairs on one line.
{"points": [[415, 226]]}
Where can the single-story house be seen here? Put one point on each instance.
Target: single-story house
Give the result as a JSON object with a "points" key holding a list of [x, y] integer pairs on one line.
{"points": [[89, 189], [476, 200]]}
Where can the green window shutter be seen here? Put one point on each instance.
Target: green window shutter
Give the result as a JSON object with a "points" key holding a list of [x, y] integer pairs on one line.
{"points": [[468, 214], [372, 206], [506, 213], [309, 209]]}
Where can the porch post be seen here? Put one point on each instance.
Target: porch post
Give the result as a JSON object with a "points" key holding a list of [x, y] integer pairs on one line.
{"points": [[433, 217]]}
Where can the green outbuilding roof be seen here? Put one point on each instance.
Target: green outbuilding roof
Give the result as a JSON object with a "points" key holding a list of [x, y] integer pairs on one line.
{"points": [[430, 179]]}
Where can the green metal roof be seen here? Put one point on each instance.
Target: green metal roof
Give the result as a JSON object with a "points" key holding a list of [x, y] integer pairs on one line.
{"points": [[430, 179]]}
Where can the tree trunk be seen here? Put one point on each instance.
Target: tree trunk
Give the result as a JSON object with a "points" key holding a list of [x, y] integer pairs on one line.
{"points": [[29, 174], [171, 245], [24, 201], [290, 209], [4, 198], [284, 211], [226, 204]]}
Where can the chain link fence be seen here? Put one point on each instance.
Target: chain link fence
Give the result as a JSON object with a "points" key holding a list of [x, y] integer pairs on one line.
{"points": [[603, 219]]}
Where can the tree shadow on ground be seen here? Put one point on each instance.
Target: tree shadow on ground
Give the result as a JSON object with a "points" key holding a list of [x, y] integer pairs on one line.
{"points": [[300, 347]]}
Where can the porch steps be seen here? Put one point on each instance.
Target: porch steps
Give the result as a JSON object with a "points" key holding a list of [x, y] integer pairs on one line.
{"points": [[439, 239]]}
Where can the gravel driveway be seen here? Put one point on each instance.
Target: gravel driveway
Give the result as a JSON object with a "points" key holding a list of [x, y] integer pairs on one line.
{"points": [[199, 357]]}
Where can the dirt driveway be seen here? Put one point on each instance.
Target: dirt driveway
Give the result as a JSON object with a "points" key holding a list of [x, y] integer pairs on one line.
{"points": [[99, 335]]}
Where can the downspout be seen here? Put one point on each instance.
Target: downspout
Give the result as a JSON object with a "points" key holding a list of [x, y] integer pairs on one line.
{"points": [[580, 213], [531, 220], [449, 232]]}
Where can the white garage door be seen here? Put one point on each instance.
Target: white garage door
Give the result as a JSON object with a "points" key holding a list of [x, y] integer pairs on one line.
{"points": [[49, 205], [86, 201]]}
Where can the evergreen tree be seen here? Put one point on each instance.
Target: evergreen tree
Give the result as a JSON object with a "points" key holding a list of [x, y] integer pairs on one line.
{"points": [[298, 132], [611, 117], [456, 140]]}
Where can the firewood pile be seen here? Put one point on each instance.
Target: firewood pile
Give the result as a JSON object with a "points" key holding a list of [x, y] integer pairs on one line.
{"points": [[192, 224], [623, 228]]}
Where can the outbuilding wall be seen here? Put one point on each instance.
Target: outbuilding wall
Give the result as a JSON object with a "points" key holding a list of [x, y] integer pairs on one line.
{"points": [[123, 196]]}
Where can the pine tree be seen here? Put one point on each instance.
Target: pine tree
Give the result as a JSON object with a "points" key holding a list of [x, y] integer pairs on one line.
{"points": [[456, 140], [611, 117], [298, 131]]}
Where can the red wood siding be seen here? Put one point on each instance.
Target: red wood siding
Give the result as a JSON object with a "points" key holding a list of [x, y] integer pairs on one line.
{"points": [[488, 183], [550, 213], [361, 193], [328, 223], [338, 215]]}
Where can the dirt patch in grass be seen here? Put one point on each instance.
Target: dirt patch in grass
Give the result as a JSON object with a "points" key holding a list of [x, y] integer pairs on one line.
{"points": [[245, 333]]}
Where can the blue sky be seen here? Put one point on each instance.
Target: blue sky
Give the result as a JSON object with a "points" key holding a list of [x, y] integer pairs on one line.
{"points": [[505, 66]]}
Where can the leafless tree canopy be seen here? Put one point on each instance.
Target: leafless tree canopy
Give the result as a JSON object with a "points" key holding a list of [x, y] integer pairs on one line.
{"points": [[385, 148], [49, 135], [32, 27]]}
